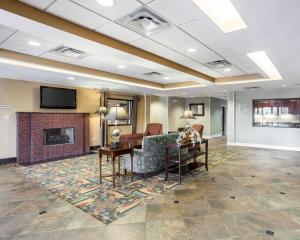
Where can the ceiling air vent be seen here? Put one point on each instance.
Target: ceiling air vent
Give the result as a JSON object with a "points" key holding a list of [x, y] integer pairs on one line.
{"points": [[251, 88], [153, 74], [68, 52], [144, 21], [218, 65]]}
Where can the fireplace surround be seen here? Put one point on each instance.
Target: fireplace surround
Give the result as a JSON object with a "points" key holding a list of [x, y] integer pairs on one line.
{"points": [[47, 136]]}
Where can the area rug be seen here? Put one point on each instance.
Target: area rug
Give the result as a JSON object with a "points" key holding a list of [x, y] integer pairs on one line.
{"points": [[77, 181]]}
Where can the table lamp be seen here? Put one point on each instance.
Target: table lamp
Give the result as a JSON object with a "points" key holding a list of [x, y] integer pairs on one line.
{"points": [[188, 114], [188, 134], [116, 114]]}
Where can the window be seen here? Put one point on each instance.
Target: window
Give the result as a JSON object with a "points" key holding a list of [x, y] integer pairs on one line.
{"points": [[276, 113], [127, 104]]}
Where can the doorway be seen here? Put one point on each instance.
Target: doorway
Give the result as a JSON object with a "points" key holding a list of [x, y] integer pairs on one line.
{"points": [[223, 120]]}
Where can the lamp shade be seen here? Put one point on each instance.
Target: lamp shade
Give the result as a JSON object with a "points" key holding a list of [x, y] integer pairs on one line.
{"points": [[188, 114], [102, 110], [117, 113]]}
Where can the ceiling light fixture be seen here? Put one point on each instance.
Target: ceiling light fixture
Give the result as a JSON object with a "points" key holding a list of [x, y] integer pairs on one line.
{"points": [[121, 66], [222, 13], [192, 50], [70, 78], [227, 69], [87, 75], [34, 43], [262, 60], [166, 78], [283, 85], [106, 3]]}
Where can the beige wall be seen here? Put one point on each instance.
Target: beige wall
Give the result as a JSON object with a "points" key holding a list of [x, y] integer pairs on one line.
{"points": [[23, 96], [176, 109], [159, 111]]}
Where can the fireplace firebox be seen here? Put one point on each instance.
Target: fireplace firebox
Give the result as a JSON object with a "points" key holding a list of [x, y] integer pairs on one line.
{"points": [[55, 136]]}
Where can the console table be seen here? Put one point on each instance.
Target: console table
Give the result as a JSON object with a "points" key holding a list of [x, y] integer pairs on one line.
{"points": [[125, 148], [192, 153]]}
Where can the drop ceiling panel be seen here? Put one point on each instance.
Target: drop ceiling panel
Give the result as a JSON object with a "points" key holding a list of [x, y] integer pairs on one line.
{"points": [[157, 48], [21, 48], [22, 39], [119, 32], [172, 38], [77, 14], [178, 12], [180, 41], [120, 8], [42, 4], [5, 33]]}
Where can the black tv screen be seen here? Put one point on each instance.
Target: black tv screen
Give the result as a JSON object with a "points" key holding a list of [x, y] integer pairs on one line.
{"points": [[57, 98]]}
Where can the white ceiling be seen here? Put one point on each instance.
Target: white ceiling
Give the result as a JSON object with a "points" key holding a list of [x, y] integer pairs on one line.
{"points": [[272, 27]]}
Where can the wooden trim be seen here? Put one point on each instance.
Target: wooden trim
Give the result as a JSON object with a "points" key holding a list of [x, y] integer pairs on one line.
{"points": [[183, 85], [51, 20], [240, 78]]}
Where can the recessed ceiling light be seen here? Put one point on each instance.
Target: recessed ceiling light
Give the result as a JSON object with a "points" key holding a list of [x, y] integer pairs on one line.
{"points": [[106, 3], [34, 43], [121, 66], [262, 60], [70, 78], [222, 13], [283, 85], [167, 78], [191, 49], [227, 69]]}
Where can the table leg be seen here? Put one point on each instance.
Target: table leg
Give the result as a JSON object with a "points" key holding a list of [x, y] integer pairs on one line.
{"points": [[167, 164], [206, 155], [119, 166], [179, 170], [113, 170], [100, 166], [195, 153], [131, 164]]}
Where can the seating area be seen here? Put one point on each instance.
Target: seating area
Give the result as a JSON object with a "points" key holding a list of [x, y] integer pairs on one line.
{"points": [[149, 120]]}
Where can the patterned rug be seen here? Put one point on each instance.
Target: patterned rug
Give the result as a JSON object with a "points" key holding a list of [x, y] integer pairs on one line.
{"points": [[77, 181]]}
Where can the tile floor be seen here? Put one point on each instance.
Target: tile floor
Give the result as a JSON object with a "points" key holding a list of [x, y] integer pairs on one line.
{"points": [[254, 192]]}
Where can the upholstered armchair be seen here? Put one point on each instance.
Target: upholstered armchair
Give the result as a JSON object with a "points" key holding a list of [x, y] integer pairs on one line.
{"points": [[199, 128], [151, 129], [154, 129]]}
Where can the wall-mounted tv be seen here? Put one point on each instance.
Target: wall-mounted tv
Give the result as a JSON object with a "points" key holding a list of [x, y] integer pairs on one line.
{"points": [[57, 98]]}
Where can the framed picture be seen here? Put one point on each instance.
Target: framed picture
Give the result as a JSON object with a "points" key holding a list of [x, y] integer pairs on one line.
{"points": [[198, 109], [283, 113]]}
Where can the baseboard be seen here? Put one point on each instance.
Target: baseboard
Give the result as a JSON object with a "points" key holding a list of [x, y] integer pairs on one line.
{"points": [[253, 145], [8, 160], [213, 136]]}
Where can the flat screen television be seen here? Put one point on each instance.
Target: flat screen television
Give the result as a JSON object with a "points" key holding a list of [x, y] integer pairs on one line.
{"points": [[57, 98]]}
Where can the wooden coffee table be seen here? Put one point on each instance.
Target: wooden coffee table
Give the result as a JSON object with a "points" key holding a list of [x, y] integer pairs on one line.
{"points": [[125, 148]]}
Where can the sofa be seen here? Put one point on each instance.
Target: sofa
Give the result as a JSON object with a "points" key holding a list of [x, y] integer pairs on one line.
{"points": [[151, 157]]}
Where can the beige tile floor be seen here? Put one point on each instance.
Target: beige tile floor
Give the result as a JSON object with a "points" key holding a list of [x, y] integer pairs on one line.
{"points": [[255, 191]]}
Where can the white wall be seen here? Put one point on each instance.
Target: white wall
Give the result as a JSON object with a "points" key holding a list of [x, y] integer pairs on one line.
{"points": [[243, 133]]}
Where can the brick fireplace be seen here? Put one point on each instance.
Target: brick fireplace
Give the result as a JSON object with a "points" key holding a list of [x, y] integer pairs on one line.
{"points": [[67, 135]]}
